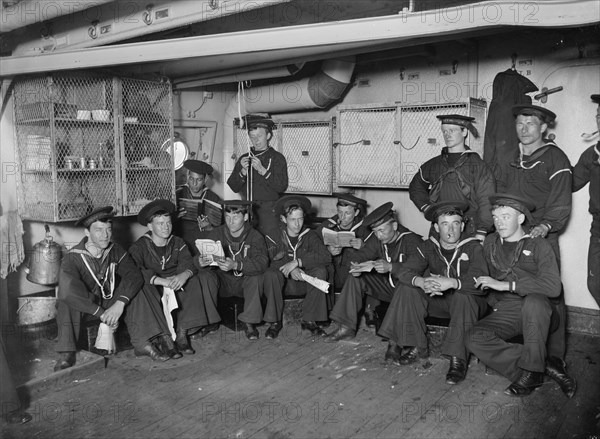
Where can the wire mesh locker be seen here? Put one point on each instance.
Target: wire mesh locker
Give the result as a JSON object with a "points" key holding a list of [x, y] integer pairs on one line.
{"points": [[367, 155], [307, 149], [147, 165], [70, 134]]}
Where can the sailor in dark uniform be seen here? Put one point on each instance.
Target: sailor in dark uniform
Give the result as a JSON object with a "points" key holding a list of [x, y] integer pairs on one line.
{"points": [[295, 251], [243, 271], [261, 175], [199, 174], [523, 278], [541, 172], [587, 170], [166, 262], [349, 218], [457, 174], [387, 253], [438, 281]]}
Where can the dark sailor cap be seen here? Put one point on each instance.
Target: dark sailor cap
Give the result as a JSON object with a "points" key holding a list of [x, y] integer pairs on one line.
{"points": [[198, 167], [523, 205], [435, 210], [381, 215], [290, 200], [152, 208], [545, 115], [237, 204], [460, 120], [96, 215], [595, 98], [345, 198], [256, 120]]}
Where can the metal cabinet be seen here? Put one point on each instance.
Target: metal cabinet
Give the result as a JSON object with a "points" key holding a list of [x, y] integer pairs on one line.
{"points": [[87, 140]]}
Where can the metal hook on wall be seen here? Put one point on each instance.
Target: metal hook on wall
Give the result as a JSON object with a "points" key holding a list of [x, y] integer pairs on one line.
{"points": [[93, 30], [147, 14]]}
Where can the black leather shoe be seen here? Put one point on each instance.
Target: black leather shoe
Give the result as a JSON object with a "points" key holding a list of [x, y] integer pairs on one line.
{"points": [[205, 330], [370, 317], [65, 360], [273, 330], [18, 417], [341, 333], [167, 346], [251, 331], [150, 351], [557, 370], [457, 371], [393, 353], [314, 329], [412, 355], [101, 352], [525, 384], [182, 344]]}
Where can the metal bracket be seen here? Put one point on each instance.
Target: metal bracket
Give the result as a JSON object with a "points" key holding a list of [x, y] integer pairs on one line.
{"points": [[93, 30], [147, 14], [543, 96]]}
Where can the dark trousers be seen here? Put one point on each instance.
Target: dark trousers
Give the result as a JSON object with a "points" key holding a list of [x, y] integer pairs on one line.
{"points": [[254, 289], [265, 220], [404, 321], [593, 277], [9, 399], [529, 316], [557, 340], [349, 303], [314, 306], [143, 316], [189, 232], [197, 302]]}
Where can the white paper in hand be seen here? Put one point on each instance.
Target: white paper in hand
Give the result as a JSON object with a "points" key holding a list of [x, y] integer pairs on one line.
{"points": [[319, 283], [210, 248], [106, 338]]}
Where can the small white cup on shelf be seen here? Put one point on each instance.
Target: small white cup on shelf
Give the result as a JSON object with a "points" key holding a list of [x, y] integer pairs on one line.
{"points": [[101, 115]]}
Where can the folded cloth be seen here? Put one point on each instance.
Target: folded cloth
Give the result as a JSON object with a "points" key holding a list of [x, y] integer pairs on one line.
{"points": [[315, 281], [11, 238], [106, 338], [169, 303]]}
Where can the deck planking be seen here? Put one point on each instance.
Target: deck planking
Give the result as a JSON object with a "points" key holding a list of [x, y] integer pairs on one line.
{"points": [[297, 386]]}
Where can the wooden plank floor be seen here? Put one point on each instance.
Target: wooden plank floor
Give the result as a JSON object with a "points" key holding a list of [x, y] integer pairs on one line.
{"points": [[300, 387]]}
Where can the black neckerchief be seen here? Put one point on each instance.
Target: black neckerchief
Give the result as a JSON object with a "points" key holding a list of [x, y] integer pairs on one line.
{"points": [[151, 247], [498, 258], [436, 186]]}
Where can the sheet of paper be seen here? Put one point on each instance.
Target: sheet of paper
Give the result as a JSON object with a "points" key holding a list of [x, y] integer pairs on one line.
{"points": [[319, 283], [362, 267], [208, 247], [337, 239]]}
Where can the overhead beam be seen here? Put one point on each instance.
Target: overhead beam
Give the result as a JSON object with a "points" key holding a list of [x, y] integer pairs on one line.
{"points": [[252, 47]]}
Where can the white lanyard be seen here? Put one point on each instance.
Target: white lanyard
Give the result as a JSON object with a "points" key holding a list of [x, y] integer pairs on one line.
{"points": [[234, 254], [522, 163], [110, 273], [293, 247]]}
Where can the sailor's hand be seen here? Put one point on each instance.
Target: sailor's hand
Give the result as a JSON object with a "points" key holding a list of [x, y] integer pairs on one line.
{"points": [[112, 315], [256, 164]]}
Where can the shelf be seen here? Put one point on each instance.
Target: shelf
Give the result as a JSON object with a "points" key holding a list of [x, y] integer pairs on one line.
{"points": [[63, 120], [145, 124], [75, 170], [154, 168]]}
